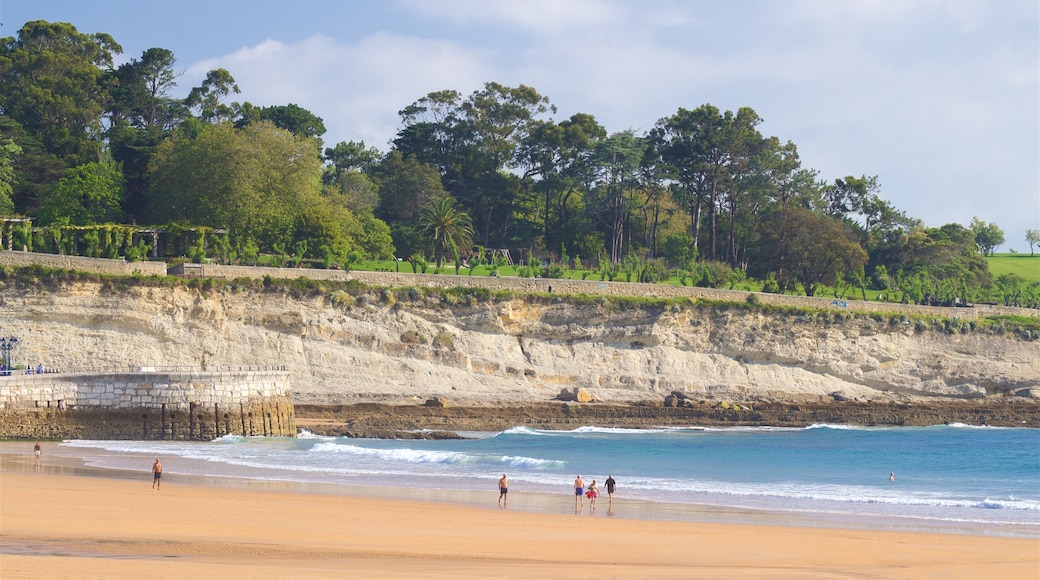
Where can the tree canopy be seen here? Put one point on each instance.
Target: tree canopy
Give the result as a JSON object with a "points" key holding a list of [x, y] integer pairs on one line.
{"points": [[703, 191]]}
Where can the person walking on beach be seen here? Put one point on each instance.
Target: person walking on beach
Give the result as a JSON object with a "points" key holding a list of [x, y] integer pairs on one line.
{"points": [[37, 451], [503, 491], [157, 474], [579, 493], [611, 484], [593, 494]]}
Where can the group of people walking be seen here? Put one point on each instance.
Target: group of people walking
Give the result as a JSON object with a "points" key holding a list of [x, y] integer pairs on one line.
{"points": [[580, 492]]}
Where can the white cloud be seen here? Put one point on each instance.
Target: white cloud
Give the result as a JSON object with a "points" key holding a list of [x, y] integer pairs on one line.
{"points": [[357, 88]]}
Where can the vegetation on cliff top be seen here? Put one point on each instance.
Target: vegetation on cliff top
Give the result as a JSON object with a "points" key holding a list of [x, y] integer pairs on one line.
{"points": [[354, 294]]}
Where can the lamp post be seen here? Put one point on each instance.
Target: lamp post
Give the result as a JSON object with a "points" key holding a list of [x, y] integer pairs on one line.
{"points": [[6, 346]]}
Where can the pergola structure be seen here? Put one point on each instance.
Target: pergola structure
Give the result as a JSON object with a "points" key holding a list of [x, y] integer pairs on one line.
{"points": [[7, 226]]}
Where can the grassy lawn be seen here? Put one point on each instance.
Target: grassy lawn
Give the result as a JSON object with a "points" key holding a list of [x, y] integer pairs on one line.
{"points": [[1024, 265], [584, 274]]}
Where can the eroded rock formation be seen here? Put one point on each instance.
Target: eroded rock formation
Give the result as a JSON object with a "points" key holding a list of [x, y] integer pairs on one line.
{"points": [[515, 352]]}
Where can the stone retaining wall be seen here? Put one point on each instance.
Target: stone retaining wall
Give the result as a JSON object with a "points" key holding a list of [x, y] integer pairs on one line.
{"points": [[561, 286], [93, 265], [182, 405]]}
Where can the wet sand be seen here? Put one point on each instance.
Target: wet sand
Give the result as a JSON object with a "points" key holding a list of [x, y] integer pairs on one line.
{"points": [[64, 522]]}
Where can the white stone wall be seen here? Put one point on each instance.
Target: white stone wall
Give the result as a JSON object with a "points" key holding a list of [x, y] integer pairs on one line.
{"points": [[79, 263], [141, 390]]}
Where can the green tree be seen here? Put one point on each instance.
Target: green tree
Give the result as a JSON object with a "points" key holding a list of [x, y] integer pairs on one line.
{"points": [[808, 248], [616, 162], [89, 194], [705, 152], [987, 236], [51, 83], [448, 230], [256, 182], [939, 260], [293, 118], [554, 158], [142, 113], [1009, 287], [8, 152], [140, 92], [356, 191], [1032, 238], [208, 98], [475, 143], [406, 187], [349, 157]]}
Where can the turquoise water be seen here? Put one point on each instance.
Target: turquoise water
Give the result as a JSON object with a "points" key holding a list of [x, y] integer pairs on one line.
{"points": [[982, 476]]}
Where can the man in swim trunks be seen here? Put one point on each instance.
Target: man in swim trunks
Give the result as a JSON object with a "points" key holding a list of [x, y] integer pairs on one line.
{"points": [[157, 474], [579, 493], [503, 490]]}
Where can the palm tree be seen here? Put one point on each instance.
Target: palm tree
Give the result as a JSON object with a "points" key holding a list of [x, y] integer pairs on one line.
{"points": [[448, 229]]}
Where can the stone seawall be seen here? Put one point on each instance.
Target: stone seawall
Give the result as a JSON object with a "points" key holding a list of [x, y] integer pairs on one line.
{"points": [[172, 405], [79, 263]]}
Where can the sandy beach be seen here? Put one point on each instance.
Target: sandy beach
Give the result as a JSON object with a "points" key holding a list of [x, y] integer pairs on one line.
{"points": [[55, 525]]}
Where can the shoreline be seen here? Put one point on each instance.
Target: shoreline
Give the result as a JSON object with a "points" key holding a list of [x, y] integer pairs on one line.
{"points": [[72, 520], [72, 462]]}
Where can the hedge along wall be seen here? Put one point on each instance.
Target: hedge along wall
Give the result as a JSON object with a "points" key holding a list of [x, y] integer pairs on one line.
{"points": [[182, 405]]}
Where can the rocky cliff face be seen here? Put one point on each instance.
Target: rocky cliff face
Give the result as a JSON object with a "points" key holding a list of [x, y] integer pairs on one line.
{"points": [[512, 352]]}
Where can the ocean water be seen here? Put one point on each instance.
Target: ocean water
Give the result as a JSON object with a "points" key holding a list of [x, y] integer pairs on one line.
{"points": [[947, 478]]}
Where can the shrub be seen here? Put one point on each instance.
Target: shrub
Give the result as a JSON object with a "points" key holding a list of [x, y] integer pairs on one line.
{"points": [[415, 294], [552, 271], [443, 340], [342, 299], [771, 285], [388, 297], [413, 337]]}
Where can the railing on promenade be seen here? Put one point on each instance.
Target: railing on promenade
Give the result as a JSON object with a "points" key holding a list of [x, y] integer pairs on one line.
{"points": [[139, 369]]}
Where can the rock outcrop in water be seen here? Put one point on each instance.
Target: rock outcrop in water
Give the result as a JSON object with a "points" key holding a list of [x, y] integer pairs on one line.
{"points": [[519, 351]]}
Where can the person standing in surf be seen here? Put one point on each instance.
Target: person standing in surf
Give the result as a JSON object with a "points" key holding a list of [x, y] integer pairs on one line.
{"points": [[503, 491], [157, 474], [579, 493], [610, 483]]}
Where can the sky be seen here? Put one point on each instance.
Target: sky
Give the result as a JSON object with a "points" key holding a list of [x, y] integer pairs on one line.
{"points": [[940, 99]]}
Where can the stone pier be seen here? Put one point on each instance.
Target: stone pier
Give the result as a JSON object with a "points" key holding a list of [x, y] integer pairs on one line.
{"points": [[161, 405]]}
